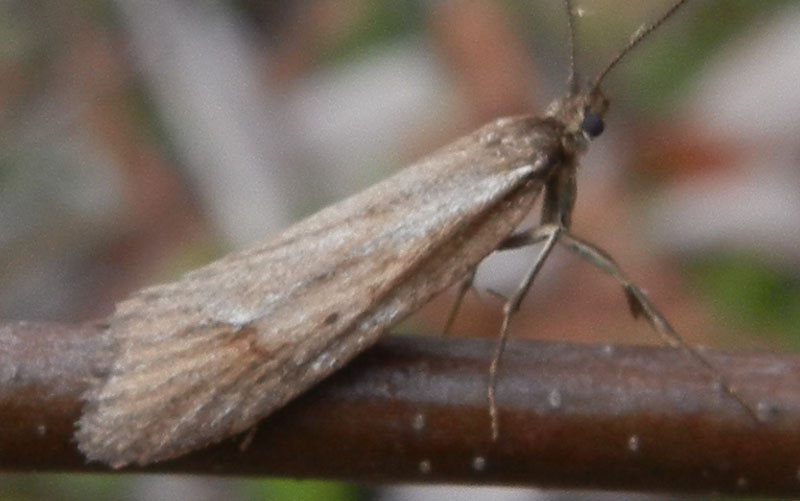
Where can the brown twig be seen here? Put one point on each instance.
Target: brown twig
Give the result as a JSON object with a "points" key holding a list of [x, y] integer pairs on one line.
{"points": [[414, 410]]}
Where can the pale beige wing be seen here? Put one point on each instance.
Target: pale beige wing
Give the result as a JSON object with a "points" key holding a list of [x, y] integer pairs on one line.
{"points": [[192, 362]]}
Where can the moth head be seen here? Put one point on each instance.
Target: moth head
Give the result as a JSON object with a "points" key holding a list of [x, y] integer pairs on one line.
{"points": [[581, 112]]}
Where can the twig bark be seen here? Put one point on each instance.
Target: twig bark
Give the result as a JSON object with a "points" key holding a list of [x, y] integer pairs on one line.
{"points": [[414, 409]]}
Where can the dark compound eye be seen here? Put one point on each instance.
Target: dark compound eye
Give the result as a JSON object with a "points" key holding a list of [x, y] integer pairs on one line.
{"points": [[592, 124]]}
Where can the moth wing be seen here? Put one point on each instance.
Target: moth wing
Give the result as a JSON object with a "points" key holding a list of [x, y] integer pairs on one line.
{"points": [[192, 362]]}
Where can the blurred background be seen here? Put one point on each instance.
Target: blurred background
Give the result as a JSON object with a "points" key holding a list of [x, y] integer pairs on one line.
{"points": [[140, 139]]}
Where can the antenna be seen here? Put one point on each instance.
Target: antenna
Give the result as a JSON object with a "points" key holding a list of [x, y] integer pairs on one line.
{"points": [[572, 82], [637, 38]]}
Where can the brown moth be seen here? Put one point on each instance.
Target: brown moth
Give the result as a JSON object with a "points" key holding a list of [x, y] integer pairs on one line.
{"points": [[190, 363]]}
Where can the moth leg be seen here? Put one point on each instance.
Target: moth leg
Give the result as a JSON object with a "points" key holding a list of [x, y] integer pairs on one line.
{"points": [[463, 288], [525, 238], [248, 437], [550, 234], [640, 305]]}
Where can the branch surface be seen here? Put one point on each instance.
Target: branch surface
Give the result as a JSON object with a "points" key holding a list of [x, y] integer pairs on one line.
{"points": [[414, 409]]}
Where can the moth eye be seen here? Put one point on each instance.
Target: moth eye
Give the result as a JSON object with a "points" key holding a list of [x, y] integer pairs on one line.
{"points": [[592, 124]]}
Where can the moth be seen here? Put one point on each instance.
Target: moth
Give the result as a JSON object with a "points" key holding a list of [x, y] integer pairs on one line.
{"points": [[189, 363]]}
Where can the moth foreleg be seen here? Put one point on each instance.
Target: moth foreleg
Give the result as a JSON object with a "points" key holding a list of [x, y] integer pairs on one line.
{"points": [[525, 238], [550, 235], [640, 305]]}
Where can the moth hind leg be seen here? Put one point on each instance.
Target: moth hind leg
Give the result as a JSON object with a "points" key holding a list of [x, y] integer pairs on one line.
{"points": [[464, 287], [521, 239]]}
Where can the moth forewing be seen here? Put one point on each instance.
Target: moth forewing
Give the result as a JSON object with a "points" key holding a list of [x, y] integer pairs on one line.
{"points": [[192, 362]]}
